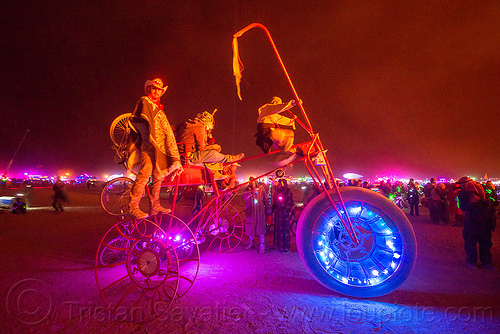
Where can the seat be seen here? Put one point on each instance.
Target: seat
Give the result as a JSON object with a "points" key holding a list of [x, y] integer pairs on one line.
{"points": [[194, 174]]}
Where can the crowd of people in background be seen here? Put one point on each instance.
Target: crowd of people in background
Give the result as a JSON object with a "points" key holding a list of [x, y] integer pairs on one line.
{"points": [[440, 198], [466, 203]]}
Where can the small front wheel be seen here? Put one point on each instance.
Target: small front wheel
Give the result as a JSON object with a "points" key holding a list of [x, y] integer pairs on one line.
{"points": [[143, 282], [381, 259], [115, 196]]}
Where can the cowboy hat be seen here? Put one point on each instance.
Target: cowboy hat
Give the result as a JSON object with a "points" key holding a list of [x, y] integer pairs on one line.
{"points": [[155, 83]]}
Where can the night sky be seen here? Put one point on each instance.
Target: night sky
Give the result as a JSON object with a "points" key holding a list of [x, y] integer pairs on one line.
{"points": [[410, 88]]}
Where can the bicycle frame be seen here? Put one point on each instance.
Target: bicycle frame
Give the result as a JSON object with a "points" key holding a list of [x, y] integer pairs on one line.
{"points": [[313, 151]]}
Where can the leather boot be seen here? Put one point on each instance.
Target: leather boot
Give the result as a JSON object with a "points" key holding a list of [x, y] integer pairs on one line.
{"points": [[157, 208], [135, 211]]}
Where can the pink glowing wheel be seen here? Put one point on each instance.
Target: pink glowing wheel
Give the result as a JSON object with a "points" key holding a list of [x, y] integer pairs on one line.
{"points": [[186, 247], [225, 228], [142, 281]]}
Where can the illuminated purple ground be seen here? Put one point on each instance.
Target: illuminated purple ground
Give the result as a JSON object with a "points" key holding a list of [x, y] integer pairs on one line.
{"points": [[48, 285]]}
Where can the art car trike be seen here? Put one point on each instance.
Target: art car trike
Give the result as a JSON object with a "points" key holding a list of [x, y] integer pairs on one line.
{"points": [[351, 240]]}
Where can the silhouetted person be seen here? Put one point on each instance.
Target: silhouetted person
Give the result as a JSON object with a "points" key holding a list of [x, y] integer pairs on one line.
{"points": [[19, 207], [438, 196], [60, 195], [255, 198], [413, 199], [282, 208], [428, 198], [367, 185], [385, 188], [477, 228]]}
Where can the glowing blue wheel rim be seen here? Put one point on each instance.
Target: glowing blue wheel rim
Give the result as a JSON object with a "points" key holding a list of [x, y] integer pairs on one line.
{"points": [[372, 261]]}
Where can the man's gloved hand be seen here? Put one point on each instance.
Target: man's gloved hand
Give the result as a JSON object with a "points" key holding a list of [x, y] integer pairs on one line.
{"points": [[175, 170]]}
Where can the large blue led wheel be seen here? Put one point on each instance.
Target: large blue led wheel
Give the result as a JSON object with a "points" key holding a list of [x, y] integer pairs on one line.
{"points": [[377, 264]]}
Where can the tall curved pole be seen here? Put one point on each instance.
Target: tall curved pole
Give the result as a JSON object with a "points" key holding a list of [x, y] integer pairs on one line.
{"points": [[258, 25], [347, 225]]}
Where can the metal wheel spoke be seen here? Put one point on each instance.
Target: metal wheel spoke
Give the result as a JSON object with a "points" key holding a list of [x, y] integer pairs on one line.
{"points": [[114, 283], [145, 279], [227, 239]]}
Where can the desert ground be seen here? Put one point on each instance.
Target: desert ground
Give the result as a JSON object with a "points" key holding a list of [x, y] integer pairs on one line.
{"points": [[48, 284]]}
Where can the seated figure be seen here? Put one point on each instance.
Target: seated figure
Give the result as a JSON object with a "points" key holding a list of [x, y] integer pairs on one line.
{"points": [[275, 130], [194, 133]]}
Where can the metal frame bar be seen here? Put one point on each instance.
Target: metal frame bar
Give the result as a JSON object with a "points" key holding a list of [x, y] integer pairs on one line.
{"points": [[326, 170]]}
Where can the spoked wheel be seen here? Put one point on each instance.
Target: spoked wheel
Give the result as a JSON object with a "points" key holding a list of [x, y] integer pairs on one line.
{"points": [[186, 247], [114, 251], [280, 173], [296, 211], [140, 284], [115, 196], [293, 227], [225, 226], [379, 263], [118, 128]]}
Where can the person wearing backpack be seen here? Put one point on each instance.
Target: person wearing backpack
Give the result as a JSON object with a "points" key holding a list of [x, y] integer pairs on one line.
{"points": [[282, 208], [473, 202]]}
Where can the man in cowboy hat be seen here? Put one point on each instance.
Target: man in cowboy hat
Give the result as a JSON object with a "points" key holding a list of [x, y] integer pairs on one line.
{"points": [[194, 134], [154, 149]]}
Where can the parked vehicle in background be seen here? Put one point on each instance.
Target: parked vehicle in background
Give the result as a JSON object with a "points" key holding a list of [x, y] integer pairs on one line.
{"points": [[7, 201]]}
